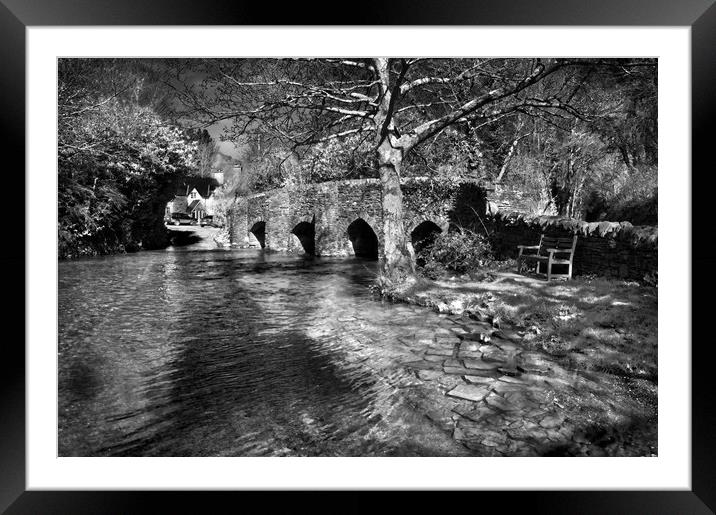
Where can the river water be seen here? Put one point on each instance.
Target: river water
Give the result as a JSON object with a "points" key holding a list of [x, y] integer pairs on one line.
{"points": [[199, 352]]}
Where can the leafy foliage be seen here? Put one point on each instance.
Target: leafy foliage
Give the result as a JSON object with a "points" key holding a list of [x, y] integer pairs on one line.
{"points": [[602, 157], [459, 250], [580, 132], [337, 159], [118, 162], [564, 129]]}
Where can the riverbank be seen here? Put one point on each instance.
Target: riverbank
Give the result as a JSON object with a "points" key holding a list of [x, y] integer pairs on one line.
{"points": [[272, 354], [559, 368], [206, 238]]}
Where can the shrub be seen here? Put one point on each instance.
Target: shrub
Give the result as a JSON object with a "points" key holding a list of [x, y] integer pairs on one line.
{"points": [[459, 250], [637, 210]]}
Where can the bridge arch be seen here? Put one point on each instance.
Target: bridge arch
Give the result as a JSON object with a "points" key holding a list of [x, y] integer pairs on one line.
{"points": [[258, 231], [363, 238], [424, 234], [275, 219], [305, 233]]}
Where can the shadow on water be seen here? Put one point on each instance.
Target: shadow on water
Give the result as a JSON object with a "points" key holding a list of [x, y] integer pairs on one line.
{"points": [[82, 379], [228, 378], [230, 353], [183, 238], [220, 400]]}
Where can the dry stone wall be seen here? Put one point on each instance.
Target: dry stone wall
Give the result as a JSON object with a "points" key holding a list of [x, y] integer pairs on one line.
{"points": [[510, 198], [603, 248]]}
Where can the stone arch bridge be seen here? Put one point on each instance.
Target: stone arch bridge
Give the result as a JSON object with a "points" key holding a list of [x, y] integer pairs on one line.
{"points": [[343, 218]]}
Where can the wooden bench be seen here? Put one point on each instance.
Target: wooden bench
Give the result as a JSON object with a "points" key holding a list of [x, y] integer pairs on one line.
{"points": [[551, 250]]}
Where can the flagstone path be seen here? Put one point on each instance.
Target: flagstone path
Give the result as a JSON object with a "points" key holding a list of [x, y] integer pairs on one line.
{"points": [[499, 399]]}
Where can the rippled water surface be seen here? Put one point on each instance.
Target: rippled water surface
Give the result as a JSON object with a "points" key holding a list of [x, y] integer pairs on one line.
{"points": [[236, 353]]}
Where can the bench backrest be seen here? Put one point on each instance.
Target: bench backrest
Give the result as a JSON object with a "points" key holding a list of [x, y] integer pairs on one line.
{"points": [[555, 242]]}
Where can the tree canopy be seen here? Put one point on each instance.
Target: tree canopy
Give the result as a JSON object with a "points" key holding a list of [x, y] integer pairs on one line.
{"points": [[118, 160], [563, 119], [581, 131]]}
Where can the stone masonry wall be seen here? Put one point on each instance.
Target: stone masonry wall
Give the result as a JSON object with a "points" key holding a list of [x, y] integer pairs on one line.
{"points": [[332, 206], [507, 198], [603, 248]]}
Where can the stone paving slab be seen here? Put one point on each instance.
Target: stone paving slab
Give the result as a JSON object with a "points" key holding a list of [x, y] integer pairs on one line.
{"points": [[551, 421], [507, 347], [474, 336], [494, 400], [502, 387], [423, 365], [483, 373], [499, 399], [450, 381], [479, 364], [477, 412], [458, 371], [443, 420], [473, 379], [494, 355], [510, 378], [469, 392], [467, 352], [428, 375], [447, 339], [446, 352]]}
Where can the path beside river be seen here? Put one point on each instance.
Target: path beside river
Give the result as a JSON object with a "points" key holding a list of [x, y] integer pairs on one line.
{"points": [[198, 351], [550, 368]]}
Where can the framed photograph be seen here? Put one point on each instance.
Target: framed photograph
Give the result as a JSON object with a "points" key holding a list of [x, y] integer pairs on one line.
{"points": [[263, 254]]}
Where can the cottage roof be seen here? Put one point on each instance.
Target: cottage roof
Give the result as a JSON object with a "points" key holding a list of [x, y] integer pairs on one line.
{"points": [[196, 204], [205, 186]]}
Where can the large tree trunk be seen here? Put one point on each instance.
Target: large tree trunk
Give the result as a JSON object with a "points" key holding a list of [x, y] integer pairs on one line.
{"points": [[398, 257]]}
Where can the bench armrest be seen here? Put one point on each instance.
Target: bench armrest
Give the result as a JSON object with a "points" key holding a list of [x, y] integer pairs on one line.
{"points": [[528, 246]]}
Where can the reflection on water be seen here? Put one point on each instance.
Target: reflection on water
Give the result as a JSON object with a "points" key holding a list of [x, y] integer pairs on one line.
{"points": [[236, 353]]}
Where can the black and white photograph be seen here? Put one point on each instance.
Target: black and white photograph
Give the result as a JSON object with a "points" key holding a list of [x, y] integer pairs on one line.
{"points": [[357, 257]]}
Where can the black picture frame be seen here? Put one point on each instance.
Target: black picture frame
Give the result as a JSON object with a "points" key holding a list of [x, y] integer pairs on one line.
{"points": [[700, 15]]}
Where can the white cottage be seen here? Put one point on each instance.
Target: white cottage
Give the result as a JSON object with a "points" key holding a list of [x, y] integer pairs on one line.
{"points": [[195, 198]]}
